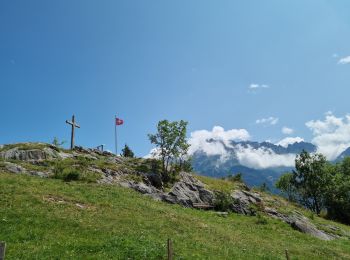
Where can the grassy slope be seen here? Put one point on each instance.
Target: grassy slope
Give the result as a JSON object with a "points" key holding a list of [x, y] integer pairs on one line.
{"points": [[120, 223]]}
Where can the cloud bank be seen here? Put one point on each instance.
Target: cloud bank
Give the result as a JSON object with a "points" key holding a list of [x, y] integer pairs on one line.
{"points": [[214, 142], [263, 158], [331, 135], [217, 141]]}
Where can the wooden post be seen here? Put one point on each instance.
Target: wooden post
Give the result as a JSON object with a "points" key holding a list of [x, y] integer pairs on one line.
{"points": [[2, 250], [287, 255], [170, 249], [74, 125]]}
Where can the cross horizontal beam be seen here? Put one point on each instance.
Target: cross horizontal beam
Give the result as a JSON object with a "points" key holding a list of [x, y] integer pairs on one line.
{"points": [[72, 124]]}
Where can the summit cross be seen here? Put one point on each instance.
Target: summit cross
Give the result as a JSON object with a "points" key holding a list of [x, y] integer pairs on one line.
{"points": [[74, 125]]}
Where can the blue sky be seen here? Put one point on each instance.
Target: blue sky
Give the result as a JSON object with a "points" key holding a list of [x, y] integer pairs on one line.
{"points": [[212, 63]]}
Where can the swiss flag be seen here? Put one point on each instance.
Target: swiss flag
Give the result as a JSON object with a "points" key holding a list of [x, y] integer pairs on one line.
{"points": [[119, 121]]}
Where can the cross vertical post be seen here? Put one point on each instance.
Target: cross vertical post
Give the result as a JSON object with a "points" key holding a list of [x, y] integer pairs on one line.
{"points": [[74, 125]]}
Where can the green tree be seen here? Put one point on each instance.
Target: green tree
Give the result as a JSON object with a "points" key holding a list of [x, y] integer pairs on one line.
{"points": [[171, 145], [286, 185], [337, 198], [127, 152], [311, 179], [57, 142]]}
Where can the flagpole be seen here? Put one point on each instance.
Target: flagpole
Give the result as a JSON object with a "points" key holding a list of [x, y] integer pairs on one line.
{"points": [[115, 135]]}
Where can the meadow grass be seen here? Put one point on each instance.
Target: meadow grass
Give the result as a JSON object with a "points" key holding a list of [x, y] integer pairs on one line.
{"points": [[51, 219]]}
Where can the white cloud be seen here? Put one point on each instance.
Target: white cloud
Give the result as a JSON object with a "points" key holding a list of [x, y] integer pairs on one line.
{"points": [[153, 154], [216, 141], [289, 140], [263, 158], [332, 135], [344, 60], [267, 121], [258, 86], [203, 140], [287, 130]]}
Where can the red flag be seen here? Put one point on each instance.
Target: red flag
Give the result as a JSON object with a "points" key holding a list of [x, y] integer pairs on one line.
{"points": [[119, 121]]}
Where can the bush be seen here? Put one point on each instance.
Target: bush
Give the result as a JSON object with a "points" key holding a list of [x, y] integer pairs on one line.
{"points": [[127, 152], [223, 201], [235, 178], [66, 170], [66, 174]]}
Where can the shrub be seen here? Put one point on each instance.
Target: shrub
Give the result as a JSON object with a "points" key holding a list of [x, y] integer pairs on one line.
{"points": [[223, 201], [68, 171], [71, 175], [66, 174], [235, 178], [127, 152]]}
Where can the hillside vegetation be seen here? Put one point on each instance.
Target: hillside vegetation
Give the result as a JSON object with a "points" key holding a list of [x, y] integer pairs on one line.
{"points": [[48, 219], [59, 204]]}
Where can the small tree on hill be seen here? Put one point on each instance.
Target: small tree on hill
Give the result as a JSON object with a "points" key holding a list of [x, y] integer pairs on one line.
{"points": [[57, 142], [285, 184], [171, 145], [127, 152], [311, 179]]}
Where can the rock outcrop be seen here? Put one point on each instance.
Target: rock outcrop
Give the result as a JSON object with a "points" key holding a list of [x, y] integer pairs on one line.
{"points": [[299, 222], [188, 190], [244, 202], [46, 153], [17, 169]]}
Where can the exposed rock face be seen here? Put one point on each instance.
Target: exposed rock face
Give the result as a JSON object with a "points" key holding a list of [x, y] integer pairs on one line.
{"points": [[17, 169], [300, 223], [189, 190], [14, 168], [140, 187], [33, 154], [243, 202]]}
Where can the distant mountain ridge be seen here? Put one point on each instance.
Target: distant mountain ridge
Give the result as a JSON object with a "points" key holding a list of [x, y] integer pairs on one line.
{"points": [[230, 162]]}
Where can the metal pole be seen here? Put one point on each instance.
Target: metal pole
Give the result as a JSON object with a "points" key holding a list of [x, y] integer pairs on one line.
{"points": [[115, 135]]}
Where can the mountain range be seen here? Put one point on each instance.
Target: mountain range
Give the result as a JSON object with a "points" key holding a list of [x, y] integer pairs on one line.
{"points": [[258, 162]]}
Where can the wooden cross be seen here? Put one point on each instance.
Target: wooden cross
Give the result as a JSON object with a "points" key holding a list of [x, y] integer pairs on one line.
{"points": [[74, 125]]}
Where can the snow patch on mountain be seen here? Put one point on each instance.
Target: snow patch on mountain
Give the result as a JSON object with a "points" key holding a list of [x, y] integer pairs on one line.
{"points": [[289, 140]]}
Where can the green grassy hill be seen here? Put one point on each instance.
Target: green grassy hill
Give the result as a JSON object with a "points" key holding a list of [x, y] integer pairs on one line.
{"points": [[51, 219]]}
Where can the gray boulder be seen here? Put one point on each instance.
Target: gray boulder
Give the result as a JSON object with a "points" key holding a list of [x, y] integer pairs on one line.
{"points": [[189, 190], [303, 224], [300, 223], [14, 168], [140, 187], [244, 202], [17, 169]]}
